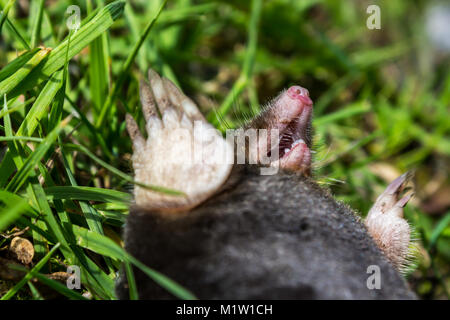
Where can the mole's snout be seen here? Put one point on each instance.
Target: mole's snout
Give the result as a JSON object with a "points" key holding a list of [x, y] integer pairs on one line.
{"points": [[300, 93]]}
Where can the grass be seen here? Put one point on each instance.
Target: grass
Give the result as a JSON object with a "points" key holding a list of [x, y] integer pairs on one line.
{"points": [[381, 108]]}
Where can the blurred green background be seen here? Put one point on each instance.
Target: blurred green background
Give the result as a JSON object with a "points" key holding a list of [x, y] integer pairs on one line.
{"points": [[382, 102]]}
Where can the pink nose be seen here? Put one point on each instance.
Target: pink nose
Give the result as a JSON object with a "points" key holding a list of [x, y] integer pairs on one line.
{"points": [[300, 93]]}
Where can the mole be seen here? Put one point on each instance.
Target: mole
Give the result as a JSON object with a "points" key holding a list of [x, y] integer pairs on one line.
{"points": [[251, 222]]}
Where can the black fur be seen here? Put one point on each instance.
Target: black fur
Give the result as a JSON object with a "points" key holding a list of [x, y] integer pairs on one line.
{"points": [[261, 237]]}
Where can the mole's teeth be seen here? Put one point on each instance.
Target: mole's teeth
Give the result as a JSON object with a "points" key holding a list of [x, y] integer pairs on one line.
{"points": [[286, 150], [296, 142]]}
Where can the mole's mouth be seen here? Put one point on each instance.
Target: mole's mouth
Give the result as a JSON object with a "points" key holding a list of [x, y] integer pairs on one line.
{"points": [[290, 137], [289, 118]]}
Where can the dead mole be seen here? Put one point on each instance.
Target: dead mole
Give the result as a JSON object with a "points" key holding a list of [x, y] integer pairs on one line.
{"points": [[252, 223]]}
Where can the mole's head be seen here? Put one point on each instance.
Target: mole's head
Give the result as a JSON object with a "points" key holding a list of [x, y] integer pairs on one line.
{"points": [[288, 121]]}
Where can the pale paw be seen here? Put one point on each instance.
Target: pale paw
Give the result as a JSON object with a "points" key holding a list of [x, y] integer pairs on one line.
{"points": [[182, 152], [386, 224]]}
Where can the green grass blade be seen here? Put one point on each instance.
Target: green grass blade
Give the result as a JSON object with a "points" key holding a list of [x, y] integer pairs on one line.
{"points": [[16, 106], [442, 224], [82, 38], [8, 197], [98, 71], [327, 97], [95, 134], [17, 34], [92, 276], [56, 112], [120, 173], [105, 246], [247, 68], [348, 112], [55, 285], [34, 292], [36, 32], [163, 281], [93, 218], [131, 281], [38, 195], [40, 107], [13, 158], [87, 194]]}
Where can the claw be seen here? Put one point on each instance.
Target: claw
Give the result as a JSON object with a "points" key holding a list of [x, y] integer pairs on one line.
{"points": [[179, 99], [159, 91], [386, 224], [147, 100], [399, 184]]}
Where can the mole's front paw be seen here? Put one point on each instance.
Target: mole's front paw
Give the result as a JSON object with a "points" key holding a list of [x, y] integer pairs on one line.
{"points": [[385, 222], [182, 152]]}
